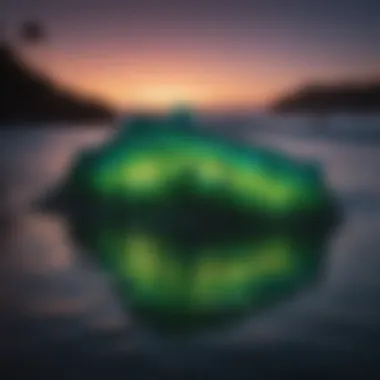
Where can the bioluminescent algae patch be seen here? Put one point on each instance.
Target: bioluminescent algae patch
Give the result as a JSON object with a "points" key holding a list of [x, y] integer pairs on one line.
{"points": [[196, 227]]}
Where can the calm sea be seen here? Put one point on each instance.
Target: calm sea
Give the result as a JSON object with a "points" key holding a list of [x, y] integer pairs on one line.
{"points": [[59, 316]]}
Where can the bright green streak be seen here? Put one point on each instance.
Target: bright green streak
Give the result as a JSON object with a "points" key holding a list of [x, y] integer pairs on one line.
{"points": [[158, 164]]}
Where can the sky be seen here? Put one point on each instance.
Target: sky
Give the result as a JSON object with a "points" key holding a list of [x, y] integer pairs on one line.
{"points": [[211, 54]]}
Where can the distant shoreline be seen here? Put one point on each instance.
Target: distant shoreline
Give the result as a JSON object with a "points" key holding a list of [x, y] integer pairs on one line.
{"points": [[28, 98], [354, 98]]}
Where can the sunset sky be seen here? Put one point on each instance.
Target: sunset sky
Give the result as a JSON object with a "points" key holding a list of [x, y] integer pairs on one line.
{"points": [[209, 54]]}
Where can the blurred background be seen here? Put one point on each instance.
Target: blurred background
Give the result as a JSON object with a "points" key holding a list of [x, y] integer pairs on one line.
{"points": [[300, 77]]}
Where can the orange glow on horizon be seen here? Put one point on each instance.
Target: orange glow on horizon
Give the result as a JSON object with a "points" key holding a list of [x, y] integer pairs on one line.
{"points": [[158, 94], [159, 80]]}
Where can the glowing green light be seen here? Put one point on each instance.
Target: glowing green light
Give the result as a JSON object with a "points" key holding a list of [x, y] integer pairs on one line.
{"points": [[158, 192]]}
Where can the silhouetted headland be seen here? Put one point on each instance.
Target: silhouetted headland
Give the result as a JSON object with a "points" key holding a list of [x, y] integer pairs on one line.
{"points": [[29, 97], [353, 98]]}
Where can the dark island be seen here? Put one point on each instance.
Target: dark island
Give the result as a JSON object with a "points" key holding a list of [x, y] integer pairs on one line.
{"points": [[353, 98], [29, 97]]}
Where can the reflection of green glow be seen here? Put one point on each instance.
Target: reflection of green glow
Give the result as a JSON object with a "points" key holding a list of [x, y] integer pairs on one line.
{"points": [[248, 245], [214, 277]]}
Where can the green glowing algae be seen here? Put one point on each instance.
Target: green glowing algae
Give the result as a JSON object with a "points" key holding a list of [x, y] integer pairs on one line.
{"points": [[195, 226]]}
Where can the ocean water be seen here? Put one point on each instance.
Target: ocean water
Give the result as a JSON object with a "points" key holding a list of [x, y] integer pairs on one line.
{"points": [[59, 316]]}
